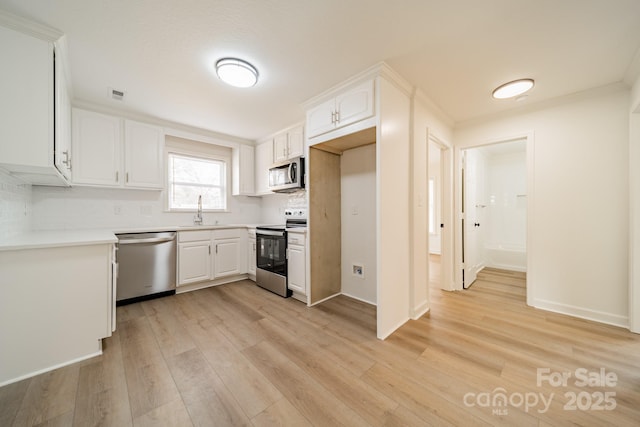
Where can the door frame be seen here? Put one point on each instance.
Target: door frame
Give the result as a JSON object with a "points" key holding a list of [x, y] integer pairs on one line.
{"points": [[528, 136], [446, 210]]}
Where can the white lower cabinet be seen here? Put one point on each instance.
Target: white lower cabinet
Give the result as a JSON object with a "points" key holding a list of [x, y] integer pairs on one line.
{"points": [[57, 304], [228, 258], [211, 254], [195, 262], [296, 257]]}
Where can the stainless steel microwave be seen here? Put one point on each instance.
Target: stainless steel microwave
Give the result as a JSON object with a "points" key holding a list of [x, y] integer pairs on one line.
{"points": [[287, 176]]}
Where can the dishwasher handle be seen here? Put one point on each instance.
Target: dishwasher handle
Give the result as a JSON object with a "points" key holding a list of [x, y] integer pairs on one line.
{"points": [[150, 240]]}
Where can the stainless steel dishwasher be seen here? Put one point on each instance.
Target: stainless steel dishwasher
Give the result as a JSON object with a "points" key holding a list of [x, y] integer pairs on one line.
{"points": [[146, 266]]}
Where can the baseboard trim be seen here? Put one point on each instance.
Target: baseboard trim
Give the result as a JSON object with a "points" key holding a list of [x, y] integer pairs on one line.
{"points": [[420, 311], [52, 368], [360, 299], [582, 313]]}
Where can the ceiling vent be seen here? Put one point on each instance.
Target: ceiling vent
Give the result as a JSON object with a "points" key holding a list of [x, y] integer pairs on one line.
{"points": [[116, 94]]}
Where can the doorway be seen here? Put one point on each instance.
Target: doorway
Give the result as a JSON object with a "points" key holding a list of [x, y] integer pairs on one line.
{"points": [[435, 213], [493, 199]]}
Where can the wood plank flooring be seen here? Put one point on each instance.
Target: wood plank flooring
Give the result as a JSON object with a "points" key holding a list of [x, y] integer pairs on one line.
{"points": [[237, 355]]}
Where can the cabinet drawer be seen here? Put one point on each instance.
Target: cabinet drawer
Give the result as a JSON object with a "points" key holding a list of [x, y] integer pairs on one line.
{"points": [[194, 236], [296, 239], [229, 233]]}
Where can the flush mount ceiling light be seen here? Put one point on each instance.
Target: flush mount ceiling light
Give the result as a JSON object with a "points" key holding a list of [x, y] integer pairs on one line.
{"points": [[511, 89], [236, 72]]}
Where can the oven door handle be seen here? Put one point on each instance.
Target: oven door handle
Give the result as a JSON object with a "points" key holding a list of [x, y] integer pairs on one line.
{"points": [[269, 233]]}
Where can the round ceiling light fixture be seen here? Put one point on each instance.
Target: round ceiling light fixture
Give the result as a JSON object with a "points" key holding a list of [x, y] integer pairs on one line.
{"points": [[236, 72], [514, 88]]}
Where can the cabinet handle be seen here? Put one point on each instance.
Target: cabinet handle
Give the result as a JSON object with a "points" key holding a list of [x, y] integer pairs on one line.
{"points": [[209, 249], [67, 159], [126, 177], [254, 247], [338, 116], [333, 117], [216, 248], [117, 177]]}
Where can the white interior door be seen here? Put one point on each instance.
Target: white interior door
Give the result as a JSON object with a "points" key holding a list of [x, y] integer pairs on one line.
{"points": [[473, 205]]}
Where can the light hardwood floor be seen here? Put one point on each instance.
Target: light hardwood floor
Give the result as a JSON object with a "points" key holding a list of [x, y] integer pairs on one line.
{"points": [[238, 355]]}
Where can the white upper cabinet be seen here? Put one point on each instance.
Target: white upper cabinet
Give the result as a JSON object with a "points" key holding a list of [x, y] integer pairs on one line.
{"points": [[243, 168], [110, 151], [349, 107], [321, 119], [264, 160], [280, 147], [144, 155], [27, 106], [288, 144], [62, 155], [295, 142], [97, 140]]}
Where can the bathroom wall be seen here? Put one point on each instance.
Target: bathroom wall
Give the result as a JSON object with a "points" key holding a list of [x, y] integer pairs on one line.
{"points": [[15, 206], [506, 192]]}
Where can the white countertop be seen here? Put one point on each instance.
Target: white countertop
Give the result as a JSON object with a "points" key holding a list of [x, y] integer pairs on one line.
{"points": [[57, 238]]}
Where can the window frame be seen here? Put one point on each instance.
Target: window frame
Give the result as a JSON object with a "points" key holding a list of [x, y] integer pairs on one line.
{"points": [[198, 156]]}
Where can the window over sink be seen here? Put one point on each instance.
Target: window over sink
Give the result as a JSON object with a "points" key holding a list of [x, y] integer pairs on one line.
{"points": [[192, 176]]}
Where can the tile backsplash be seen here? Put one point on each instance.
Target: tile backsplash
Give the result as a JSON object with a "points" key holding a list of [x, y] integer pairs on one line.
{"points": [[121, 209], [15, 206]]}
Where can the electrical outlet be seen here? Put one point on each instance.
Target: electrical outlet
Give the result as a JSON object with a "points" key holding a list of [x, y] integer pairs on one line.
{"points": [[354, 210], [358, 270], [117, 210]]}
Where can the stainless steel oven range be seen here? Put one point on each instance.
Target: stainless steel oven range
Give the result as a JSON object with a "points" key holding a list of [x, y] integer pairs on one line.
{"points": [[271, 261], [271, 252]]}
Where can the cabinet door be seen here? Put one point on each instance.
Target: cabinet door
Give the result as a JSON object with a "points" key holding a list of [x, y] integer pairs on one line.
{"points": [[97, 140], [321, 118], [62, 142], [296, 269], [280, 147], [264, 160], [194, 262], [26, 103], [251, 253], [243, 171], [227, 258], [144, 155], [296, 142], [355, 104]]}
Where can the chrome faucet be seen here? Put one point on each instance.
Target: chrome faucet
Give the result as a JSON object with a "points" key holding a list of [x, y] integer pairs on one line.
{"points": [[197, 220]]}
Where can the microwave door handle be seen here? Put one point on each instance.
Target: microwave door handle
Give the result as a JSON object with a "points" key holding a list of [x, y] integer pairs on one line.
{"points": [[291, 173]]}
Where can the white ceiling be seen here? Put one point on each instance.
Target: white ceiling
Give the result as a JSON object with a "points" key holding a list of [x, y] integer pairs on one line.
{"points": [[160, 52]]}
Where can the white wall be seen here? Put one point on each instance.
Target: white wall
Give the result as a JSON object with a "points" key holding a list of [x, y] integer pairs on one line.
{"points": [[634, 201], [358, 191], [15, 206], [579, 217], [428, 121], [393, 207]]}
